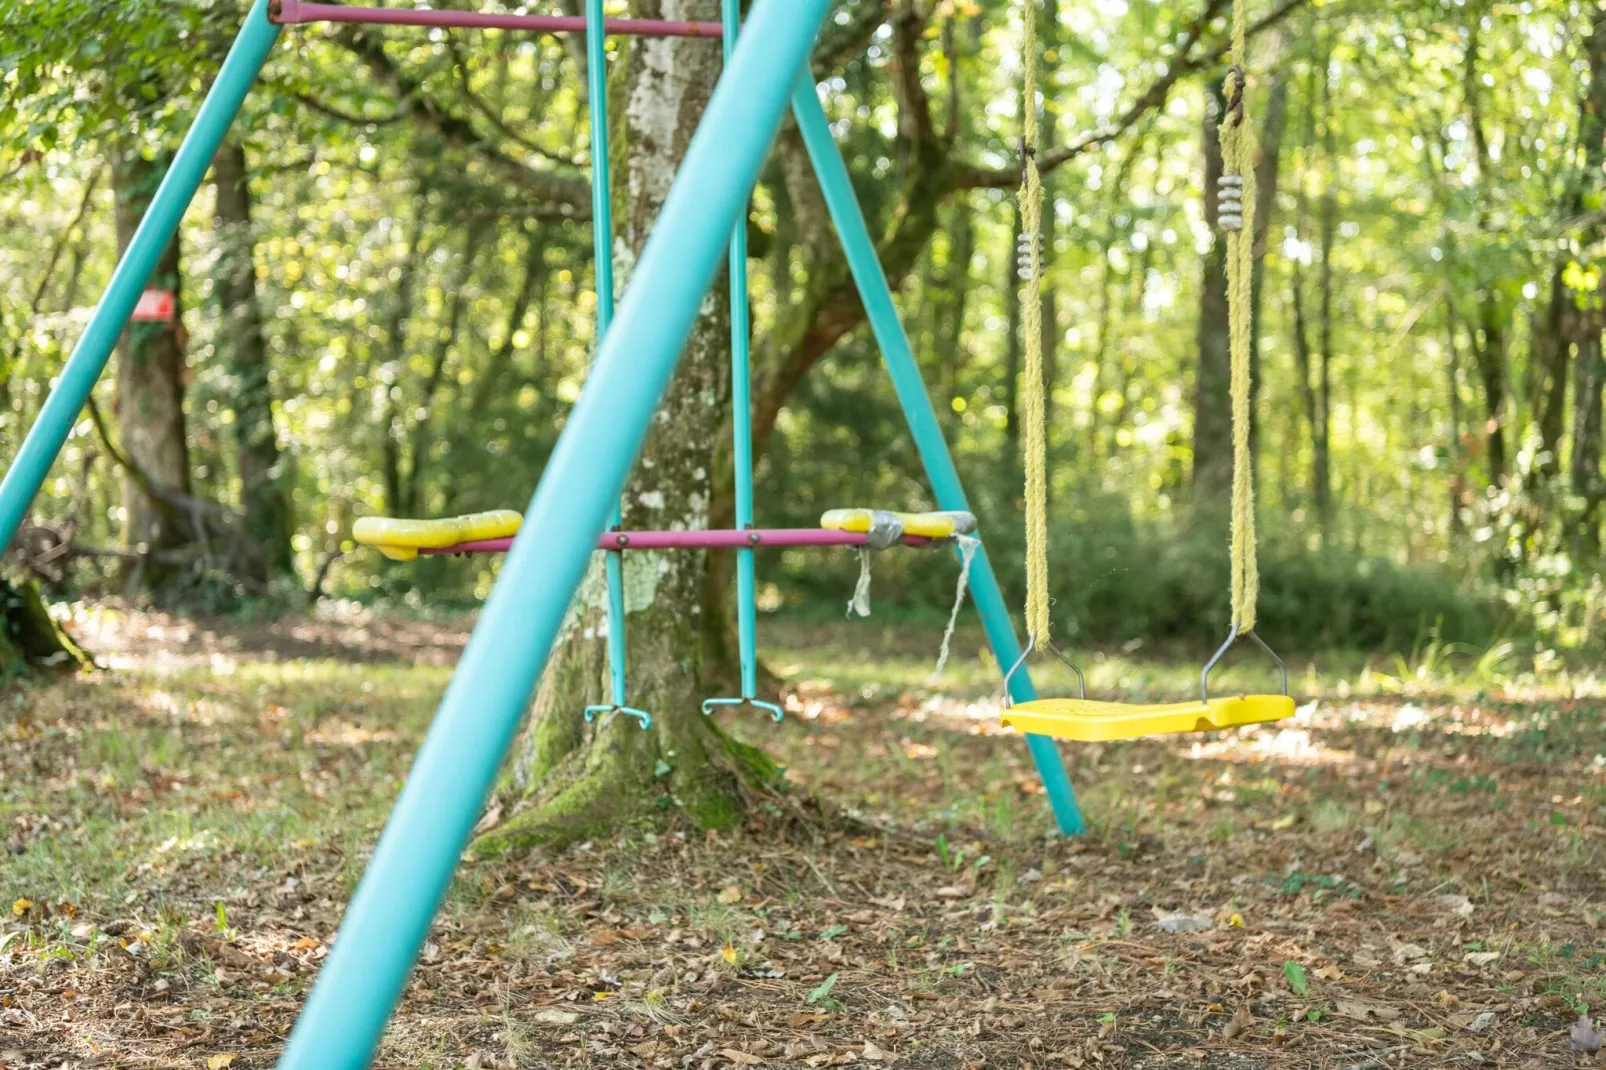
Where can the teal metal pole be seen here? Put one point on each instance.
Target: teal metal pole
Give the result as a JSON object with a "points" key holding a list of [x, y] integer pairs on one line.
{"points": [[911, 389], [602, 254], [413, 863], [44, 441], [742, 417], [742, 438]]}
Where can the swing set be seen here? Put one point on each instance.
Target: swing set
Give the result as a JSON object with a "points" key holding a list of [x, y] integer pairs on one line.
{"points": [[575, 508], [493, 532]]}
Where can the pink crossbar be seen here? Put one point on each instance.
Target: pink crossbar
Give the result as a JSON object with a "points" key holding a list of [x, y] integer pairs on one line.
{"points": [[292, 12], [693, 540]]}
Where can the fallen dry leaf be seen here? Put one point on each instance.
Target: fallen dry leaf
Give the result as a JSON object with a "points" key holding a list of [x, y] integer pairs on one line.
{"points": [[1184, 923], [553, 1016], [1409, 953]]}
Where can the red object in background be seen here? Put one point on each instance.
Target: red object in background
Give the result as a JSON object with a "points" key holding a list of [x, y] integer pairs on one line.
{"points": [[155, 306]]}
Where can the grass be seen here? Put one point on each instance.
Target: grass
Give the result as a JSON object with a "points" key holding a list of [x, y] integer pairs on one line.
{"points": [[182, 832]]}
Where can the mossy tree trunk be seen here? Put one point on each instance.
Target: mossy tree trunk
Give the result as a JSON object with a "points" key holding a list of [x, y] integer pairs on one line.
{"points": [[264, 486], [28, 637], [151, 380], [573, 779]]}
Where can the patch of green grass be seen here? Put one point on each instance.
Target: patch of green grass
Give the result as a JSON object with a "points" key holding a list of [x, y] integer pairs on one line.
{"points": [[1329, 817], [169, 771]]}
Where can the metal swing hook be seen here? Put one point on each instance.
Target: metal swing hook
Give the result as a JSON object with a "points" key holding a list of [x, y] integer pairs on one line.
{"points": [[1232, 638], [642, 716], [1031, 644], [711, 704]]}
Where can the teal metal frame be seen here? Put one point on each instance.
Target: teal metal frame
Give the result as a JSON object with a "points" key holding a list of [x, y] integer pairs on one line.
{"points": [[578, 495], [871, 280], [602, 254], [742, 440]]}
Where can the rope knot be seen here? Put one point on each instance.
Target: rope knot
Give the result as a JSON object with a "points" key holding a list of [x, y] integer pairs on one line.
{"points": [[1235, 97]]}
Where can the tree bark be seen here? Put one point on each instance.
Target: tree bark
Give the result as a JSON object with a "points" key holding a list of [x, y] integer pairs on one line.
{"points": [[1589, 380], [1489, 338], [1012, 345], [151, 380], [29, 638], [1048, 138], [264, 490], [1327, 227], [574, 779], [1584, 320], [1272, 121], [953, 304], [1455, 455], [1212, 411]]}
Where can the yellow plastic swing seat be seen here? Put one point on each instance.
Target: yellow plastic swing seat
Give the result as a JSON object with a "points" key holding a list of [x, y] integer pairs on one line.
{"points": [[925, 525], [400, 540], [1101, 722]]}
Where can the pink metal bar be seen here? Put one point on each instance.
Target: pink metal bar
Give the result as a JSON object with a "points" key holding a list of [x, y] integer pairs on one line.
{"points": [[693, 540], [293, 12]]}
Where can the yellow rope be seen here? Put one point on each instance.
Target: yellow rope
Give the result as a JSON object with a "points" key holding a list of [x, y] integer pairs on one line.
{"points": [[1238, 149], [1032, 399]]}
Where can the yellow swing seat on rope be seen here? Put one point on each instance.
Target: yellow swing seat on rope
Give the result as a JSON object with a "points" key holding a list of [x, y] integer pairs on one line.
{"points": [[1079, 718], [1087, 721], [1090, 721]]}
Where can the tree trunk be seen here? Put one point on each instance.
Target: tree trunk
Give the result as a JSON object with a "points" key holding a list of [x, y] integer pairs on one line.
{"points": [[576, 779], [1489, 346], [422, 436], [396, 325], [1585, 321], [1454, 454], [1553, 346], [151, 378], [1012, 345], [28, 637], [1272, 122], [1048, 138], [1589, 378], [953, 304], [264, 493], [1327, 226], [1212, 409], [1489, 337]]}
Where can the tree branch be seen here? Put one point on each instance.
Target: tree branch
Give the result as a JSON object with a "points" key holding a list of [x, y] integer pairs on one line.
{"points": [[1152, 98], [841, 42], [496, 121], [914, 105], [332, 112], [571, 193]]}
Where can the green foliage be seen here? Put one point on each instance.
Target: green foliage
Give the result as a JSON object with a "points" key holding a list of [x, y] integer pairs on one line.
{"points": [[423, 266], [822, 992], [1118, 579]]}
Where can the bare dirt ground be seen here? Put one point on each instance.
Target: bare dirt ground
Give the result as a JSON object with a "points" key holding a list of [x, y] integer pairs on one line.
{"points": [[1409, 874]]}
